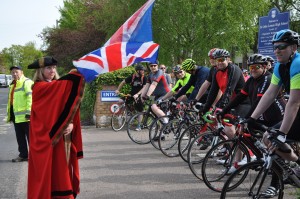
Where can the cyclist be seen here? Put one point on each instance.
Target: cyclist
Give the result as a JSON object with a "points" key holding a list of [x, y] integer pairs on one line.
{"points": [[157, 86], [255, 88], [198, 76], [286, 74], [205, 86], [137, 81], [183, 78], [270, 63], [229, 80]]}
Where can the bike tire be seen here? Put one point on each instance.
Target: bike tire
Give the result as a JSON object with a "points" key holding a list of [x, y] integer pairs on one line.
{"points": [[196, 154], [118, 119], [242, 187], [214, 173], [186, 138], [140, 136]]}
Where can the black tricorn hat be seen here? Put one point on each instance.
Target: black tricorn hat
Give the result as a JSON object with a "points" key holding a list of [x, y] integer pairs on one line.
{"points": [[42, 62]]}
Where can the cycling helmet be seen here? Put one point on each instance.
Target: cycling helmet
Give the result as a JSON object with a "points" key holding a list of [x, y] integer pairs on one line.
{"points": [[210, 53], [221, 53], [188, 64], [156, 62], [177, 68], [139, 67], [256, 59], [270, 59], [287, 36]]}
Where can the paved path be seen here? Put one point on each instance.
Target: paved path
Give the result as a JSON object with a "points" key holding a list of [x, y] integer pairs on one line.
{"points": [[116, 168]]}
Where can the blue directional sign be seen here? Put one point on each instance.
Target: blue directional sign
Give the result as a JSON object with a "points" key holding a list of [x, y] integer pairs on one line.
{"points": [[268, 26], [109, 96]]}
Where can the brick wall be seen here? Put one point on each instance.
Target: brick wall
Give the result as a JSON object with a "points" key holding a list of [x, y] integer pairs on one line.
{"points": [[102, 112]]}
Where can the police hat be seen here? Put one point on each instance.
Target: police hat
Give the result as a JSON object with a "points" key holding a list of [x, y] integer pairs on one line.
{"points": [[15, 67], [42, 62]]}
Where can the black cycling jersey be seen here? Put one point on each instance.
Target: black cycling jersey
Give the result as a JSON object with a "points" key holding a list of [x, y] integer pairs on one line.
{"points": [[255, 89], [230, 81], [195, 80]]}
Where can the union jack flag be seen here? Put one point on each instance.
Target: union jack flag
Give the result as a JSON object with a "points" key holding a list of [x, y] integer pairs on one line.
{"points": [[132, 43]]}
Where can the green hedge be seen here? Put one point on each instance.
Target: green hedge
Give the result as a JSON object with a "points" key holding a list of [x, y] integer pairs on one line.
{"points": [[89, 98]]}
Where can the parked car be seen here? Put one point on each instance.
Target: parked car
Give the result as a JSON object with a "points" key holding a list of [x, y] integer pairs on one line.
{"points": [[3, 81], [9, 79]]}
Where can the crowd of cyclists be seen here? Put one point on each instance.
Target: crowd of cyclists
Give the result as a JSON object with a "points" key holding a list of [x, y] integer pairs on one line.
{"points": [[266, 95]]}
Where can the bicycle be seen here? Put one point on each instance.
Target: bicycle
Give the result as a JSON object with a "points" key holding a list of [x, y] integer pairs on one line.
{"points": [[173, 111], [203, 142], [259, 174], [170, 133], [216, 166], [140, 123], [123, 113]]}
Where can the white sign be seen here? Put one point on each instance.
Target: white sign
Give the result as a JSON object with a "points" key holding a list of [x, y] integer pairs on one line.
{"points": [[114, 108], [109, 96]]}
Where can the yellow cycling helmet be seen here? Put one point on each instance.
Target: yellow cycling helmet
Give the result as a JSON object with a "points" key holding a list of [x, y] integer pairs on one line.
{"points": [[188, 64]]}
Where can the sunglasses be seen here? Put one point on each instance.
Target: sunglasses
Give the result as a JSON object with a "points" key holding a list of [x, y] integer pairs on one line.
{"points": [[280, 46], [179, 72], [222, 59], [152, 66], [254, 67], [162, 68]]}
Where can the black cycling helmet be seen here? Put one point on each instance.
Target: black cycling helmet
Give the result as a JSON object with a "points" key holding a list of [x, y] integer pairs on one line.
{"points": [[177, 69], [139, 67], [287, 36], [156, 62], [256, 59], [221, 53], [270, 59]]}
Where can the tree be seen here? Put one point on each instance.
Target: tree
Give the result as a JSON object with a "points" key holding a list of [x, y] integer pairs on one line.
{"points": [[20, 55]]}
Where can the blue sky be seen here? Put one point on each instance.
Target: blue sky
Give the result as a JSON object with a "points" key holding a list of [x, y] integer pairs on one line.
{"points": [[22, 20]]}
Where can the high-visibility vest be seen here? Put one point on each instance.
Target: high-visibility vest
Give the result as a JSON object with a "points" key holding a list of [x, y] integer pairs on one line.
{"points": [[22, 99]]}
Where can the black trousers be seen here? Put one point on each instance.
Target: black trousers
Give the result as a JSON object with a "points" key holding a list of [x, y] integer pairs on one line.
{"points": [[22, 134]]}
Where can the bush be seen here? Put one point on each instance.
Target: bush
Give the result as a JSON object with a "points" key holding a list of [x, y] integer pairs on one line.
{"points": [[89, 96]]}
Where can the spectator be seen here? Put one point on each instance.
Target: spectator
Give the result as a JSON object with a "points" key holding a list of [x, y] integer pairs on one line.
{"points": [[246, 74], [18, 109], [168, 76]]}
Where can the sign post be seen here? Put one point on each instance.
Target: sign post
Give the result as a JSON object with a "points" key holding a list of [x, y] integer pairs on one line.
{"points": [[268, 26]]}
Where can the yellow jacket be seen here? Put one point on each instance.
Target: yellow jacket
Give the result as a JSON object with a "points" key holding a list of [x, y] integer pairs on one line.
{"points": [[22, 99]]}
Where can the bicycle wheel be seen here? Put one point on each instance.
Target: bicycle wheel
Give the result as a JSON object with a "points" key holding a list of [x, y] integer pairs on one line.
{"points": [[118, 118], [169, 136], [154, 130], [199, 146], [248, 187], [186, 138], [218, 163], [138, 127]]}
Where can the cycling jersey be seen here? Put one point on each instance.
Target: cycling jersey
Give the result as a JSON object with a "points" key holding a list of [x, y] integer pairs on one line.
{"points": [[255, 89], [162, 87], [288, 75], [230, 81], [195, 80], [211, 74], [136, 82], [181, 82]]}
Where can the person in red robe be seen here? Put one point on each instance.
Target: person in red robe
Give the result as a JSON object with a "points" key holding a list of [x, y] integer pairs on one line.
{"points": [[55, 132]]}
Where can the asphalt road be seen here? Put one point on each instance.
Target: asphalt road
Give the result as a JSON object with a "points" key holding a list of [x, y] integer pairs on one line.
{"points": [[113, 167]]}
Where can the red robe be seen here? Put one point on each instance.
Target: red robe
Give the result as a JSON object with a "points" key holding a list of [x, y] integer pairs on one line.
{"points": [[54, 105]]}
